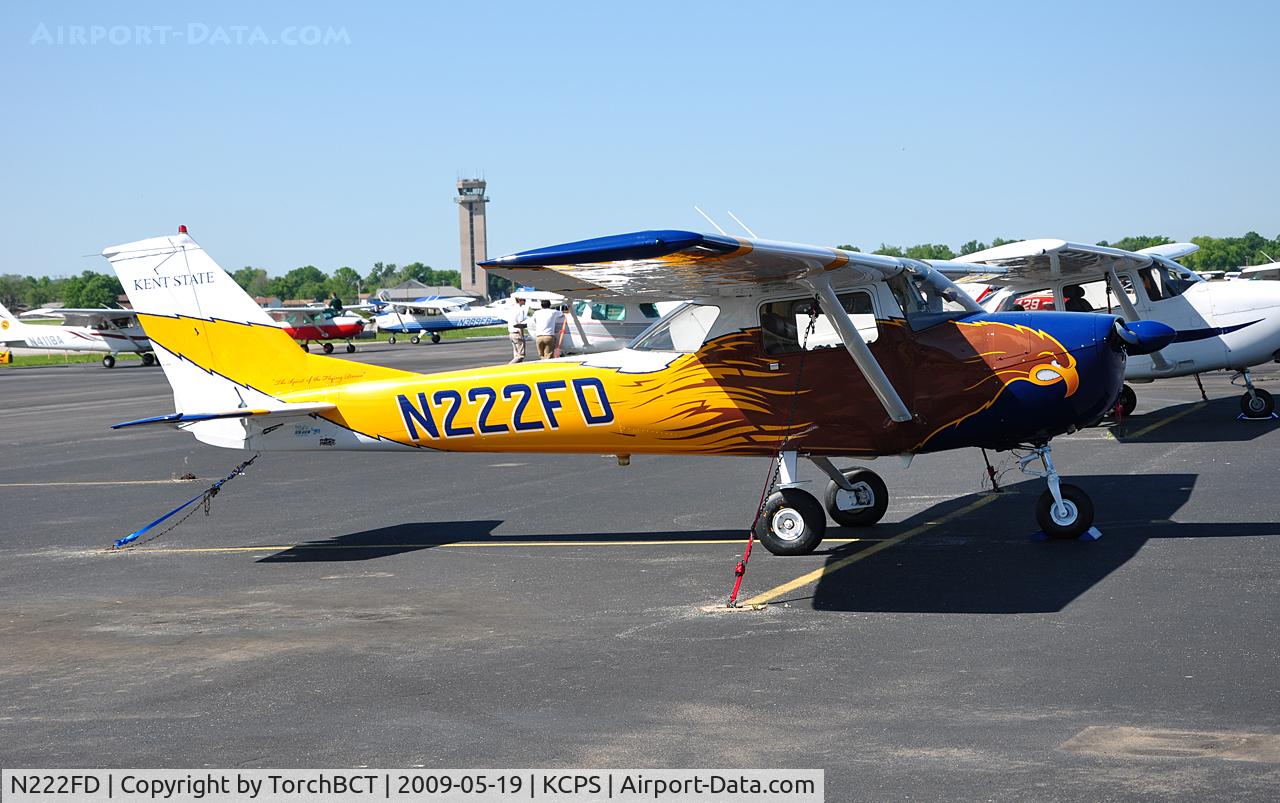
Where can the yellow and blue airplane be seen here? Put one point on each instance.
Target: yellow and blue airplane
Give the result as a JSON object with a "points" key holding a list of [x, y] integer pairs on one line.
{"points": [[785, 351]]}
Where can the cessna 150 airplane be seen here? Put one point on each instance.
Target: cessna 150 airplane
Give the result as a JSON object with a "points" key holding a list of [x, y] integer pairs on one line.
{"points": [[431, 316], [318, 324], [1220, 325], [110, 330], [784, 351]]}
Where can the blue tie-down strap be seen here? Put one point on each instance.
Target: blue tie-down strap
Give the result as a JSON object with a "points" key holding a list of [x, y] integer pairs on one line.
{"points": [[204, 497]]}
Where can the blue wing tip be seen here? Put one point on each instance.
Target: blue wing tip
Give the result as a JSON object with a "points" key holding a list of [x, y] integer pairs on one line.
{"points": [[633, 245]]}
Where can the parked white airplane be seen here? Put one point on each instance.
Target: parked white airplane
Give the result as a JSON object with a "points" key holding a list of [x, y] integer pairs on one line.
{"points": [[1220, 325], [110, 330], [431, 316], [609, 324]]}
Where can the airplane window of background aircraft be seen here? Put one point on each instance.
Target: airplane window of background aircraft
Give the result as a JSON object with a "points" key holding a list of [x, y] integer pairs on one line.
{"points": [[608, 312], [649, 311], [783, 323], [580, 308], [683, 330]]}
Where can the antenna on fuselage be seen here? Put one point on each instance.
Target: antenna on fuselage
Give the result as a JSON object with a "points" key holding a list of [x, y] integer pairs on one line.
{"points": [[709, 220], [744, 226]]}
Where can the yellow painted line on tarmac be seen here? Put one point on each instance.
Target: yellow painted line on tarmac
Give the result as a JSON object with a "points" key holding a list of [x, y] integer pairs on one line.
{"points": [[213, 550], [1162, 422], [831, 568]]}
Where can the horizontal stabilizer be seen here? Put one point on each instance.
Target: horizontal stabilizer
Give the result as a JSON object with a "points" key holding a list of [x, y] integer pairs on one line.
{"points": [[280, 411]]}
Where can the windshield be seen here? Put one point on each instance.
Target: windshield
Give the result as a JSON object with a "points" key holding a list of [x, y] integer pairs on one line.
{"points": [[927, 297], [683, 330]]}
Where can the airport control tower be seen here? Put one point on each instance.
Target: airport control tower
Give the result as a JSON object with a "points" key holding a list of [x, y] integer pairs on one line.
{"points": [[471, 228]]}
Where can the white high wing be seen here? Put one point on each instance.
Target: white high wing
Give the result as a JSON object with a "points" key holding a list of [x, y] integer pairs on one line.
{"points": [[102, 330], [1220, 325]]}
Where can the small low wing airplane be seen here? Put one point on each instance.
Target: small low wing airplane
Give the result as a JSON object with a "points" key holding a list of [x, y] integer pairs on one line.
{"points": [[318, 324], [102, 330], [784, 351], [1219, 325], [430, 317]]}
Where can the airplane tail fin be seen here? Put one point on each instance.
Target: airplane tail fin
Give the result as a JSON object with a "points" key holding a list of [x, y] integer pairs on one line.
{"points": [[220, 351], [9, 324]]}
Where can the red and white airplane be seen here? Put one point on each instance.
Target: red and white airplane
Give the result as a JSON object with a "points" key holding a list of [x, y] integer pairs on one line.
{"points": [[319, 325]]}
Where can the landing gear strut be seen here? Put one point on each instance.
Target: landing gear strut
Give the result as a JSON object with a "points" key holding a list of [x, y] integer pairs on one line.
{"points": [[1064, 510], [351, 348], [793, 522], [1255, 403]]}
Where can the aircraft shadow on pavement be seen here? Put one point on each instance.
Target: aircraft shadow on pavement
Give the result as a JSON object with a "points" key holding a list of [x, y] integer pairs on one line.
{"points": [[1215, 422], [410, 537], [987, 561]]}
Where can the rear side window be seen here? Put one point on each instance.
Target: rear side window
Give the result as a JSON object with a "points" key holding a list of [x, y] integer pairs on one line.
{"points": [[649, 310], [608, 312]]}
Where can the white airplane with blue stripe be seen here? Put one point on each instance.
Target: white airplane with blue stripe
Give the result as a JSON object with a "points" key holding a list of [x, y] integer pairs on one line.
{"points": [[428, 317], [1219, 325]]}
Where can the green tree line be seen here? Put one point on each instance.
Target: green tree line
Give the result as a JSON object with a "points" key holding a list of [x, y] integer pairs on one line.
{"points": [[91, 289]]}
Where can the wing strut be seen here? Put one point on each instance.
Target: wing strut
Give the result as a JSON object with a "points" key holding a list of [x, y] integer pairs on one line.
{"points": [[1131, 314], [857, 348]]}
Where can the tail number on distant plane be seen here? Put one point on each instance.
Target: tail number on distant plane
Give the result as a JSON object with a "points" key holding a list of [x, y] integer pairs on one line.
{"points": [[533, 407]]}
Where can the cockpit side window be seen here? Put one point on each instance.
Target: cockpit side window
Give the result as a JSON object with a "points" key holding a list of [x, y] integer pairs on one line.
{"points": [[785, 324]]}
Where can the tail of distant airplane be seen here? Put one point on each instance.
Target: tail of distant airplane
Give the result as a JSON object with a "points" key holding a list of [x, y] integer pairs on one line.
{"points": [[10, 326], [224, 357]]}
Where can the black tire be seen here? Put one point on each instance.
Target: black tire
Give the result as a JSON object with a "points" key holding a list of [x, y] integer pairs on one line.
{"points": [[864, 480], [328, 348], [109, 361], [415, 340], [148, 359], [791, 523], [1080, 510], [306, 346], [351, 348], [1259, 404], [1128, 401], [435, 337], [391, 340]]}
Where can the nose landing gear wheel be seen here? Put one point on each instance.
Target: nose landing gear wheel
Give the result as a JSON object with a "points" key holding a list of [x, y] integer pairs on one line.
{"points": [[148, 359], [1127, 402], [351, 348], [306, 347], [109, 361], [328, 348], [415, 340], [864, 505], [1258, 404], [435, 337], [791, 523], [1068, 520]]}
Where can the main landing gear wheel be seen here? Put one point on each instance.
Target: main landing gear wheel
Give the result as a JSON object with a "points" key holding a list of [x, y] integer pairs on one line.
{"points": [[328, 348], [415, 340], [109, 361], [435, 337], [391, 340], [1070, 519], [351, 348], [306, 346], [148, 359], [791, 523], [1127, 402], [1257, 404], [864, 505]]}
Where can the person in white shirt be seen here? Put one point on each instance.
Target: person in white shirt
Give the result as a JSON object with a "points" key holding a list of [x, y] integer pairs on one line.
{"points": [[517, 323], [546, 328]]}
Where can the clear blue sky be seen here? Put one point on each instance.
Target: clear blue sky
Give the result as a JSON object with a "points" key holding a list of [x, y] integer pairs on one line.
{"points": [[814, 122]]}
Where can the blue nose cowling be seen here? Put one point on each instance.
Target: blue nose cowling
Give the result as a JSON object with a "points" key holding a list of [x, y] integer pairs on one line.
{"points": [[1143, 337]]}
